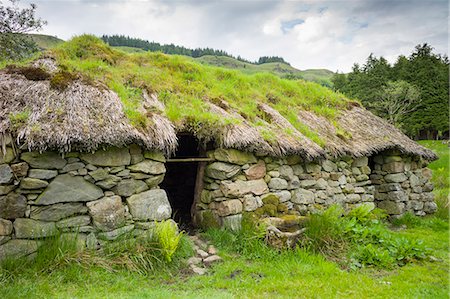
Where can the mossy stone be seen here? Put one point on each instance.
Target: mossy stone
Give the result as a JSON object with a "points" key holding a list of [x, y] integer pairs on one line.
{"points": [[271, 199], [282, 208], [270, 210]]}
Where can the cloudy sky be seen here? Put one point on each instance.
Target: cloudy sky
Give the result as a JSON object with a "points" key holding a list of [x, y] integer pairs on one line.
{"points": [[308, 34]]}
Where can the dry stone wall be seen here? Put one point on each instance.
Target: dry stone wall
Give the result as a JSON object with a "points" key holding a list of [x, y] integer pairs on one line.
{"points": [[238, 182], [101, 196], [402, 184]]}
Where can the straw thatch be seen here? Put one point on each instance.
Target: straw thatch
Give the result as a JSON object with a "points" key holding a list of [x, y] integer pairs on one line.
{"points": [[85, 117]]}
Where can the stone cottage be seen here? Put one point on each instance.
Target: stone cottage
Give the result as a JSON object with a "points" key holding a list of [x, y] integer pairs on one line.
{"points": [[72, 162]]}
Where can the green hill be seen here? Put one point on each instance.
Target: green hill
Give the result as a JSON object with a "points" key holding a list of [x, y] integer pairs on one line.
{"points": [[321, 76], [45, 42]]}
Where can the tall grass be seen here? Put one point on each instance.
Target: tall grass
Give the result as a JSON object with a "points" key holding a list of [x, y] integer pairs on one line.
{"points": [[146, 255]]}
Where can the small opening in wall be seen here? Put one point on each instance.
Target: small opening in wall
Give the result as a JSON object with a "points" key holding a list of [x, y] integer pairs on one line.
{"points": [[181, 179]]}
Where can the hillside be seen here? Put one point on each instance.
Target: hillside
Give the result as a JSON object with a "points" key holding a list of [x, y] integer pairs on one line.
{"points": [[321, 76], [45, 42]]}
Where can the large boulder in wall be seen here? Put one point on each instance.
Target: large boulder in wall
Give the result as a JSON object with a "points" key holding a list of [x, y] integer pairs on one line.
{"points": [[150, 205], [67, 188]]}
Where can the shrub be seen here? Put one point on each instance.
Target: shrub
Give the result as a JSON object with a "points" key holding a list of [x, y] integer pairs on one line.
{"points": [[362, 236], [168, 238], [325, 232]]}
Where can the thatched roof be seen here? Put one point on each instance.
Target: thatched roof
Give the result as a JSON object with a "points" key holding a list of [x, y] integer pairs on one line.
{"points": [[86, 116]]}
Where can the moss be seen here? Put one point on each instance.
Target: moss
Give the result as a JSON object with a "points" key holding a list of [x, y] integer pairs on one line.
{"points": [[208, 220], [271, 199], [259, 212], [62, 79], [31, 73], [18, 119], [270, 210], [282, 208]]}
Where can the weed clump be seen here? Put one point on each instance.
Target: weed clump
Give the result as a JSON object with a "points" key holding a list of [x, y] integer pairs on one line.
{"points": [[31, 73], [359, 239], [61, 80]]}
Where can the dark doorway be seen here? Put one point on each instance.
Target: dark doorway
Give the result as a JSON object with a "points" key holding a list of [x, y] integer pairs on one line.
{"points": [[180, 180]]}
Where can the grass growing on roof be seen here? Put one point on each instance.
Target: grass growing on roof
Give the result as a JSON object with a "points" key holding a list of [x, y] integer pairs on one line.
{"points": [[185, 86]]}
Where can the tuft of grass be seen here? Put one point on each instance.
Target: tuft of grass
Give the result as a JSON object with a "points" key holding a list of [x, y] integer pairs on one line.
{"points": [[19, 119], [61, 80]]}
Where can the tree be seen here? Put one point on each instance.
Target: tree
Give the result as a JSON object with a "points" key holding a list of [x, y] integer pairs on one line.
{"points": [[396, 100], [14, 23]]}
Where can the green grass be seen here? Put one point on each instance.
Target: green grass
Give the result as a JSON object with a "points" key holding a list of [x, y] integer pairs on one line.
{"points": [[321, 76], [251, 270], [181, 82], [45, 42]]}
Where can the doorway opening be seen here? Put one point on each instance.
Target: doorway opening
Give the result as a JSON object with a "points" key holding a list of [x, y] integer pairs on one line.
{"points": [[182, 179]]}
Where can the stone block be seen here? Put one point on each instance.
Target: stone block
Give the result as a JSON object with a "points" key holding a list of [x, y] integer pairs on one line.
{"points": [[46, 160], [129, 187], [394, 167], [31, 183], [360, 162], [321, 184], [391, 207], [151, 205], [283, 195], [109, 182], [57, 211], [43, 174], [17, 248], [7, 157], [20, 169], [234, 156], [389, 187], [76, 221], [6, 227], [107, 213], [155, 156], [256, 171], [25, 228], [240, 188], [12, 206], [286, 172], [353, 198], [229, 207], [397, 196], [114, 234], [232, 222], [313, 168], [66, 188], [113, 156], [72, 167], [329, 166], [6, 174], [5, 189], [221, 171], [149, 167], [278, 184], [251, 203], [302, 196], [429, 207], [395, 178]]}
